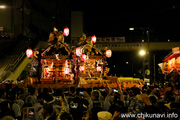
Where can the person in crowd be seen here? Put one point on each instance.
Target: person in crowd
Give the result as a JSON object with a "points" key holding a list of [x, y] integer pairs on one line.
{"points": [[31, 98], [5, 110], [136, 105], [47, 112], [66, 116], [38, 106], [7, 117], [2, 95], [90, 103], [12, 96]]}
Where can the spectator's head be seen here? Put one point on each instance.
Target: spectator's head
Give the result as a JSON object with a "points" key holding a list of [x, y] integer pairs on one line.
{"points": [[47, 110], [72, 90], [31, 90], [58, 92], [136, 91], [77, 91], [153, 99], [66, 116], [148, 91], [40, 98], [7, 118], [104, 115], [95, 95], [49, 99]]}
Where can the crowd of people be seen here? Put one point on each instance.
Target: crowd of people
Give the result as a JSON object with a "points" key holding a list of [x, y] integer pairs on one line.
{"points": [[94, 103]]}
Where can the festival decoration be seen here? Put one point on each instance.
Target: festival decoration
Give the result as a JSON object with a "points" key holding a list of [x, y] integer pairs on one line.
{"points": [[78, 51], [81, 68], [98, 68], [83, 57], [93, 38], [66, 70], [29, 53], [108, 53], [66, 31]]}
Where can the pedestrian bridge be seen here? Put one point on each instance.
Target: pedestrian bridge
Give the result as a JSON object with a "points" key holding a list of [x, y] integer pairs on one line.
{"points": [[114, 46]]}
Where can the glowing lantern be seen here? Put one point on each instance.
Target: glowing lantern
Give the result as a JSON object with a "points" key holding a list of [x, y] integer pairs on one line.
{"points": [[46, 70], [83, 57], [29, 53], [81, 68], [93, 38], [78, 51], [66, 31], [66, 70], [108, 53], [98, 68]]}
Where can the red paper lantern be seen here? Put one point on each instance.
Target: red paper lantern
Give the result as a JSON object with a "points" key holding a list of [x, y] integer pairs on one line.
{"points": [[66, 70], [98, 68], [29, 53], [46, 70], [83, 57], [81, 68], [93, 38], [108, 53], [66, 31], [78, 51]]}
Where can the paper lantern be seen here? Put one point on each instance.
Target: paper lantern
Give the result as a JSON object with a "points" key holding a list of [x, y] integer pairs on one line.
{"points": [[66, 31], [98, 68], [83, 57], [93, 38], [81, 68], [29, 53], [66, 70], [108, 53], [78, 51], [46, 70]]}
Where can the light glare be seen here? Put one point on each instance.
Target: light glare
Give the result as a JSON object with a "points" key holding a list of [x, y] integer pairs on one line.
{"points": [[142, 52], [2, 6], [131, 28]]}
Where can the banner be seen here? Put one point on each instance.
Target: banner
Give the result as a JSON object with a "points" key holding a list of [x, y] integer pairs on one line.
{"points": [[111, 39]]}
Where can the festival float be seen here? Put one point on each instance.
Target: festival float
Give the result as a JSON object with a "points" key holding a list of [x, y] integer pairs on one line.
{"points": [[170, 66], [60, 65]]}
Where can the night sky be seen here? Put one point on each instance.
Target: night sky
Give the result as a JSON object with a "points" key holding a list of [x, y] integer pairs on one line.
{"points": [[113, 19]]}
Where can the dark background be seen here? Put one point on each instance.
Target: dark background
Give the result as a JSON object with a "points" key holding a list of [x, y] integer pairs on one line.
{"points": [[113, 19]]}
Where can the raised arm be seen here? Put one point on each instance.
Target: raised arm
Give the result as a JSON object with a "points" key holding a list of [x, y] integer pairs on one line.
{"points": [[120, 91]]}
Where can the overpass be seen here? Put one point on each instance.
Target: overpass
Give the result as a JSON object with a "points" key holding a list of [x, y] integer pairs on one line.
{"points": [[114, 46], [131, 46]]}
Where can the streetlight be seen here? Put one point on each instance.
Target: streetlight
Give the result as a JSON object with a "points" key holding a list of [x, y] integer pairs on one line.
{"points": [[142, 53], [131, 28], [148, 40], [2, 6]]}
